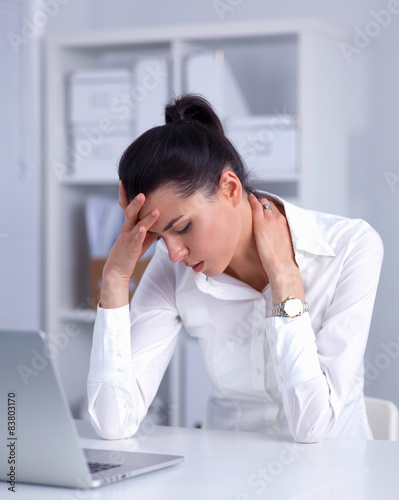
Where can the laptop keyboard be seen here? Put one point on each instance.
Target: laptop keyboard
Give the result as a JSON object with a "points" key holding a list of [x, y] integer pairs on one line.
{"points": [[98, 467]]}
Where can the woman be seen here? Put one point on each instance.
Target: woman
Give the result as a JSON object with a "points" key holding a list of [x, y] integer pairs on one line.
{"points": [[279, 297]]}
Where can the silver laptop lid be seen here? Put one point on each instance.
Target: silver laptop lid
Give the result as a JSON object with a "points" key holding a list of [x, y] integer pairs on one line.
{"points": [[41, 436]]}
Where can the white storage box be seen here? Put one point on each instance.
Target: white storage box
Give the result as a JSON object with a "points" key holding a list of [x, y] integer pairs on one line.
{"points": [[210, 75], [267, 144], [96, 95], [95, 154]]}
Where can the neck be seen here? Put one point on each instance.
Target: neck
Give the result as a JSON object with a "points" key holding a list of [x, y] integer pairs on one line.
{"points": [[246, 265]]}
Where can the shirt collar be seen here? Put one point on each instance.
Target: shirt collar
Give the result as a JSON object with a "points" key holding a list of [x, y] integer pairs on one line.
{"points": [[222, 286], [306, 235]]}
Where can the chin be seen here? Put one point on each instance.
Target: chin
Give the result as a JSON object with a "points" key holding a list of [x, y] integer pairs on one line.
{"points": [[211, 273]]}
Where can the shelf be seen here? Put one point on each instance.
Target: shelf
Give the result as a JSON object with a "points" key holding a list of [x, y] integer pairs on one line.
{"points": [[85, 181], [278, 177], [91, 181], [216, 31], [78, 315]]}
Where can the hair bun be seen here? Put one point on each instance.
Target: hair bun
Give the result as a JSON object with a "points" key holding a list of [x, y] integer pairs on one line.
{"points": [[193, 107]]}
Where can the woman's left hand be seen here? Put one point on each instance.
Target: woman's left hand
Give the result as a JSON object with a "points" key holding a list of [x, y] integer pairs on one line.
{"points": [[274, 244]]}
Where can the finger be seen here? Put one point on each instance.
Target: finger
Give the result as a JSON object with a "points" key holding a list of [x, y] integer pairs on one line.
{"points": [[148, 221], [123, 199], [261, 202], [132, 211], [140, 235], [148, 241], [136, 239], [268, 203], [256, 205]]}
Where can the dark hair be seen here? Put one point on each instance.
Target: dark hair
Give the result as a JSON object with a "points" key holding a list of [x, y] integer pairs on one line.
{"points": [[189, 152]]}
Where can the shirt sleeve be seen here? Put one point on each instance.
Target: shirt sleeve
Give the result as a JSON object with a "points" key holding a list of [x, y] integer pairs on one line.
{"points": [[131, 351], [316, 370]]}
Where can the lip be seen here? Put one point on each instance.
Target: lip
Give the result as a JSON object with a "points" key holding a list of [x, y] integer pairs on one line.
{"points": [[198, 267]]}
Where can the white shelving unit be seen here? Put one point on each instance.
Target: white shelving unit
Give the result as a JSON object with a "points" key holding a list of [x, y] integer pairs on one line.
{"points": [[282, 67]]}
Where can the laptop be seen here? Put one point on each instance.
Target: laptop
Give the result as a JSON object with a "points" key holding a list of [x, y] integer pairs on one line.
{"points": [[39, 439]]}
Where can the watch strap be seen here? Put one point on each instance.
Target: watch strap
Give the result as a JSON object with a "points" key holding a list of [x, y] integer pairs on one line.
{"points": [[278, 310]]}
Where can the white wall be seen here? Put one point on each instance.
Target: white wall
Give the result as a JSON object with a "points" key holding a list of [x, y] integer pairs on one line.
{"points": [[20, 290], [374, 122]]}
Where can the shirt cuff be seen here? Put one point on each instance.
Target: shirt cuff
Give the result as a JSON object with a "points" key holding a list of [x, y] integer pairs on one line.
{"points": [[293, 350], [110, 354]]}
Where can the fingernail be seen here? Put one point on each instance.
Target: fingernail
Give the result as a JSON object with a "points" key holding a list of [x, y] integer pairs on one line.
{"points": [[154, 213], [138, 197]]}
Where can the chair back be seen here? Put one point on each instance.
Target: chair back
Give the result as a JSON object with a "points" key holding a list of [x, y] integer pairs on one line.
{"points": [[383, 417]]}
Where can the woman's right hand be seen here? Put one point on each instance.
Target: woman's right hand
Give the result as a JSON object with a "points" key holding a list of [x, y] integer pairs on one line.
{"points": [[133, 241]]}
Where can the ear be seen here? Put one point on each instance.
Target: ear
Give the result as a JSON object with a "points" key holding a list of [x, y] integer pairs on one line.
{"points": [[230, 187]]}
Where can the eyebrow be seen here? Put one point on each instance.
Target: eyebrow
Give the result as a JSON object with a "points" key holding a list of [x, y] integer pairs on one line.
{"points": [[169, 225]]}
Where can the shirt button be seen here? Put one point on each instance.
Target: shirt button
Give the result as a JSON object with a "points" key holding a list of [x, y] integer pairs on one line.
{"points": [[271, 343], [257, 332], [258, 371], [126, 405], [119, 354], [288, 418], [275, 361], [120, 370], [280, 379]]}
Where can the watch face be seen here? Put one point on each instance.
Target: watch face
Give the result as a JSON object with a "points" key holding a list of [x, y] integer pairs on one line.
{"points": [[293, 307]]}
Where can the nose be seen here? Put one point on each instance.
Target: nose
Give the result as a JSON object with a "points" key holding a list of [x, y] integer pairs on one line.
{"points": [[177, 251]]}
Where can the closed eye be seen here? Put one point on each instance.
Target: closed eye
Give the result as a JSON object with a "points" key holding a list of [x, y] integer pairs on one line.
{"points": [[185, 229]]}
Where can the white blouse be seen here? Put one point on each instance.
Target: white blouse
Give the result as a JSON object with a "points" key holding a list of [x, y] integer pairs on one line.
{"points": [[302, 376]]}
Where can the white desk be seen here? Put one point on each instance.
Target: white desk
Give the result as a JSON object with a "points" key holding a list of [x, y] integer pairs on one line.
{"points": [[241, 466]]}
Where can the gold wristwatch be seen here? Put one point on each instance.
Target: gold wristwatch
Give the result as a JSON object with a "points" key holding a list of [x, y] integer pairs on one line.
{"points": [[290, 308]]}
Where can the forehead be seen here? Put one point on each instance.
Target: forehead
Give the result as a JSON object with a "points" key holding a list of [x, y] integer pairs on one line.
{"points": [[170, 203]]}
